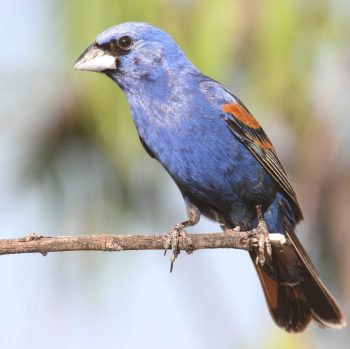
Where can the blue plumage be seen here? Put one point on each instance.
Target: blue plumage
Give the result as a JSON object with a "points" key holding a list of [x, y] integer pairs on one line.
{"points": [[219, 156]]}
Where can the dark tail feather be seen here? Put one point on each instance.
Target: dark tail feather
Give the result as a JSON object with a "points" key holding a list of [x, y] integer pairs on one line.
{"points": [[294, 292]]}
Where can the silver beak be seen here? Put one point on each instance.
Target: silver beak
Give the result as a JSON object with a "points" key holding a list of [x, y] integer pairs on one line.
{"points": [[95, 59]]}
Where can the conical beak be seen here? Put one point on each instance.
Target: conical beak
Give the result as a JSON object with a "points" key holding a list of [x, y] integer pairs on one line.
{"points": [[95, 59]]}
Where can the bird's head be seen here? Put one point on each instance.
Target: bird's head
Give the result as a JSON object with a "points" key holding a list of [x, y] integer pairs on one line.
{"points": [[131, 52]]}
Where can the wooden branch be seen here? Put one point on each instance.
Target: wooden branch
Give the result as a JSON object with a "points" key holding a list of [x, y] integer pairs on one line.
{"points": [[35, 243]]}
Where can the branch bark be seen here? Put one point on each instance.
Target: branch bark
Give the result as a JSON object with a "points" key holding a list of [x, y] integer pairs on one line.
{"points": [[35, 243]]}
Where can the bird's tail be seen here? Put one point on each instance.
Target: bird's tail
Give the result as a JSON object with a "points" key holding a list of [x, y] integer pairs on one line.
{"points": [[294, 292]]}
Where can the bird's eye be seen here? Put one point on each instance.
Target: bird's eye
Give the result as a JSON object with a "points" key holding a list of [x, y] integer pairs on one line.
{"points": [[124, 42]]}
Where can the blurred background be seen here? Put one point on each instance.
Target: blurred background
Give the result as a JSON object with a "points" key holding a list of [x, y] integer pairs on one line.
{"points": [[71, 163]]}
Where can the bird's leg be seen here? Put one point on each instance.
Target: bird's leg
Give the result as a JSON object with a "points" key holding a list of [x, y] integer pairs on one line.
{"points": [[261, 238], [172, 239]]}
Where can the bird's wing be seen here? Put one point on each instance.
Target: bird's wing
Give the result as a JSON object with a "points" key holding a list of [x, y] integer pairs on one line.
{"points": [[243, 124], [247, 129]]}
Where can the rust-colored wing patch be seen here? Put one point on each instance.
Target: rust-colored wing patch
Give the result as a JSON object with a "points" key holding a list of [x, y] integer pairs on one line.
{"points": [[241, 114], [247, 125]]}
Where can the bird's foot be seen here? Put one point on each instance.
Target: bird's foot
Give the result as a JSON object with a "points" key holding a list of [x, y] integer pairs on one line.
{"points": [[260, 238], [172, 241]]}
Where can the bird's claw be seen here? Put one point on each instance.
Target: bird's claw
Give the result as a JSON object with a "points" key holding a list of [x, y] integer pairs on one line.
{"points": [[260, 239], [172, 241]]}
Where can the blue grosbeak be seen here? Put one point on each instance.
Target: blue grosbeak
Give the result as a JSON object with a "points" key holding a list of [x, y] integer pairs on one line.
{"points": [[220, 158]]}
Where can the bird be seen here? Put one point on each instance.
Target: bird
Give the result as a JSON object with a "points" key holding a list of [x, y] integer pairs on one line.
{"points": [[222, 161]]}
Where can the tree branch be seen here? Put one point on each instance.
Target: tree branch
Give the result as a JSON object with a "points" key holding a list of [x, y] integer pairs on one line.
{"points": [[35, 243]]}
